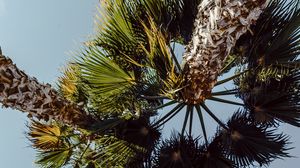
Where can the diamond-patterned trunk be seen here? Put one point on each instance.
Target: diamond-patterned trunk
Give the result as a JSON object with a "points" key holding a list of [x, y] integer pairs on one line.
{"points": [[219, 24], [26, 94]]}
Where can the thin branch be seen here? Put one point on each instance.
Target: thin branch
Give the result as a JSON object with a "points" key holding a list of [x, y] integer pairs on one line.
{"points": [[225, 101], [170, 117], [228, 65], [213, 116], [225, 92], [191, 120], [153, 97], [81, 156], [174, 58], [230, 78], [202, 123], [163, 105], [171, 113], [185, 119]]}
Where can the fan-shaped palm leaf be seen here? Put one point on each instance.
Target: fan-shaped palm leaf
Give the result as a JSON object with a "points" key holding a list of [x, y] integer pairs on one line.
{"points": [[103, 74], [275, 100], [178, 152], [246, 143], [55, 158], [113, 152], [276, 36], [70, 85], [44, 136], [213, 156]]}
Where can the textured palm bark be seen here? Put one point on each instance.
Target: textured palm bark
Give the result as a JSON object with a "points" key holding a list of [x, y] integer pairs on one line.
{"points": [[26, 94], [219, 24]]}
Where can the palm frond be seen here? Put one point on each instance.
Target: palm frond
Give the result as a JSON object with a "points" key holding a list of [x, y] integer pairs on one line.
{"points": [[56, 144], [213, 155], [178, 152], [246, 143], [139, 132], [54, 158], [175, 16], [120, 33], [113, 152], [44, 136], [275, 100], [158, 52], [160, 60], [276, 34], [103, 74], [70, 84]]}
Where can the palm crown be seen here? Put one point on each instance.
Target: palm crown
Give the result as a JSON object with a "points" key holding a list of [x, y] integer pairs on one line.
{"points": [[105, 112]]}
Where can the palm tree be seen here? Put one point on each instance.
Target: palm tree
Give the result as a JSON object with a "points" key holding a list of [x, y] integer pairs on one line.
{"points": [[104, 112]]}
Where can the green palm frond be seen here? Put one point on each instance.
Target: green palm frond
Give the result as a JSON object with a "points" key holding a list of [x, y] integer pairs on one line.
{"points": [[113, 152], [54, 158], [246, 143], [52, 143], [273, 72], [158, 52], [160, 60], [57, 145], [119, 33], [230, 62], [175, 16], [103, 74], [125, 74]]}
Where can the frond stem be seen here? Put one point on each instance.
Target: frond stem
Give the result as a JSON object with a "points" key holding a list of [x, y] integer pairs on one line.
{"points": [[164, 105], [230, 78], [174, 58], [213, 116], [202, 123], [169, 115], [225, 101], [227, 65], [86, 148], [191, 120], [185, 119], [225, 92], [153, 97]]}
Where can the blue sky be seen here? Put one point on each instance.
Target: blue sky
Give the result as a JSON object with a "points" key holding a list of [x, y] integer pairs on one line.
{"points": [[39, 35]]}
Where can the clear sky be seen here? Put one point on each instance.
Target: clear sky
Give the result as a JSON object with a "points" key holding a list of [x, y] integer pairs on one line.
{"points": [[38, 35]]}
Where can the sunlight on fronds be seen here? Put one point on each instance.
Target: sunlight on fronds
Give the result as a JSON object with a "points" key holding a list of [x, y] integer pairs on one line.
{"points": [[104, 74], [127, 83], [53, 151], [172, 86], [158, 53], [273, 72], [160, 60], [68, 82], [44, 136]]}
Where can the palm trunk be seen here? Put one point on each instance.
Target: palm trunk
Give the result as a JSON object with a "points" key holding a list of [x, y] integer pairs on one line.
{"points": [[219, 24], [26, 94]]}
